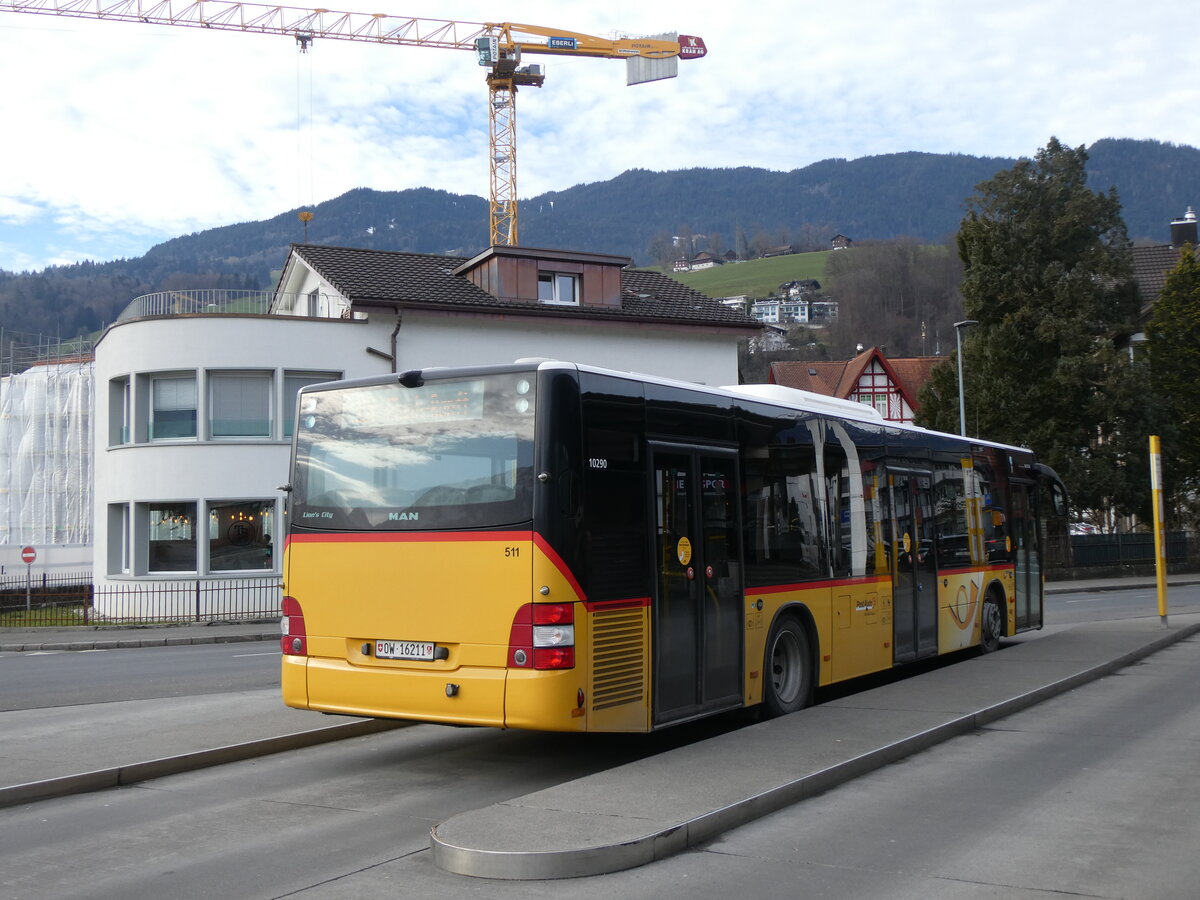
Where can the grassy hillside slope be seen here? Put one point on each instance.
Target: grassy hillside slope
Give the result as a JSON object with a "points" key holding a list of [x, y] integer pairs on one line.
{"points": [[757, 277]]}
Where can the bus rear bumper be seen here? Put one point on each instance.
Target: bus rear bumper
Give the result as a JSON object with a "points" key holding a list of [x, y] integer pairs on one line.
{"points": [[495, 697], [465, 696]]}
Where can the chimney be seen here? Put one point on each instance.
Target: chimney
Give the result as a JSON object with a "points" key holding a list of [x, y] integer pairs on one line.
{"points": [[1183, 231]]}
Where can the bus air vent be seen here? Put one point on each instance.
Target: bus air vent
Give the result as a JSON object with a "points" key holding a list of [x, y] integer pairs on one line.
{"points": [[618, 657]]}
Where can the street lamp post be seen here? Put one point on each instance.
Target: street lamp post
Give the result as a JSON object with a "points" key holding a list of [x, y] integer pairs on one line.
{"points": [[962, 407]]}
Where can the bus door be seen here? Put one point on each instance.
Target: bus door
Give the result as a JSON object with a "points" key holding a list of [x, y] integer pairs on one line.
{"points": [[697, 603], [914, 570], [1027, 567]]}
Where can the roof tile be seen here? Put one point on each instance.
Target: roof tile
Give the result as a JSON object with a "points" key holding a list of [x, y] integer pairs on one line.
{"points": [[427, 280]]}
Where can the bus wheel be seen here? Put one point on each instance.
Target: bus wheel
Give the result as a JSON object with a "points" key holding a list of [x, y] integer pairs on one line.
{"points": [[991, 625], [788, 684]]}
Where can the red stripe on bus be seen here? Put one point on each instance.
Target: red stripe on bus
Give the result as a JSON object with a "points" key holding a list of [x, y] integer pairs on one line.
{"points": [[555, 560], [810, 585], [402, 537], [606, 605], [970, 570]]}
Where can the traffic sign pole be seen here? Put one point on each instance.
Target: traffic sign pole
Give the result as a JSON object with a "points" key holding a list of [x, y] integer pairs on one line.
{"points": [[29, 557]]}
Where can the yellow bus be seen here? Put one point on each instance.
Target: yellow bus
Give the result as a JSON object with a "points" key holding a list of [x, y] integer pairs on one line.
{"points": [[554, 546]]}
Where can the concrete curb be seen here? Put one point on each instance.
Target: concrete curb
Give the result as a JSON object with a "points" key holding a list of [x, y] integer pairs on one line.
{"points": [[599, 859], [127, 643], [100, 779]]}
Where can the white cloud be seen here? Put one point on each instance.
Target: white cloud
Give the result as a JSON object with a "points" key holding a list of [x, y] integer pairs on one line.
{"points": [[131, 134]]}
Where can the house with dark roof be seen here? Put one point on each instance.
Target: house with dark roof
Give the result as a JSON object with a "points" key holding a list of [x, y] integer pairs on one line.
{"points": [[1152, 264], [890, 386], [508, 303]]}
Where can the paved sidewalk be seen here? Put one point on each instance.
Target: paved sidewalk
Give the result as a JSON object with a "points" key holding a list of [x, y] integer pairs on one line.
{"points": [[124, 637], [647, 810], [1124, 583]]}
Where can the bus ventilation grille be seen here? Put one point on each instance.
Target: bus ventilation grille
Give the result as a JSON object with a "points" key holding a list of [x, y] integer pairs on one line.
{"points": [[618, 658]]}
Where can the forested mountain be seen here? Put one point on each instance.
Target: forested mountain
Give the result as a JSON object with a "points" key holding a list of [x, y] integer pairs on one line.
{"points": [[915, 194]]}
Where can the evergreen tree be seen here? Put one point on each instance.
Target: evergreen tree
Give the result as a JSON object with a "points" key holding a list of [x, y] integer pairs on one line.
{"points": [[1048, 277], [1173, 343]]}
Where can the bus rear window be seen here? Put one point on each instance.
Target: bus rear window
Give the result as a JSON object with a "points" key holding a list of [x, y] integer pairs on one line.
{"points": [[448, 454]]}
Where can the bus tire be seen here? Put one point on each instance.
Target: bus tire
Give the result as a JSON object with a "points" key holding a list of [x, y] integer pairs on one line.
{"points": [[991, 624], [788, 667]]}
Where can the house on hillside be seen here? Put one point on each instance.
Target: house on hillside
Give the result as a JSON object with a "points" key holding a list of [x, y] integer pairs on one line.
{"points": [[706, 260], [822, 312], [890, 386], [776, 311], [801, 288], [840, 242], [195, 396], [772, 339]]}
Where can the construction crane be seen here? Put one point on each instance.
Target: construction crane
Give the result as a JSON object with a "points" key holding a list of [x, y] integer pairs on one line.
{"points": [[499, 47]]}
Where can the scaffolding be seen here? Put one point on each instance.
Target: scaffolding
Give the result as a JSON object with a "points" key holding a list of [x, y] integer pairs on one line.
{"points": [[46, 402]]}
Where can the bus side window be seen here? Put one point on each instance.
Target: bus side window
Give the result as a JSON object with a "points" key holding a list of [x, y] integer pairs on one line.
{"points": [[837, 498], [782, 535], [950, 516]]}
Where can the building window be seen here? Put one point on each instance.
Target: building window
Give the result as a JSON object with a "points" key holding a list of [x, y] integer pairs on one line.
{"points": [[173, 407], [241, 535], [118, 412], [240, 405], [879, 402], [292, 382], [118, 539], [558, 287], [171, 530]]}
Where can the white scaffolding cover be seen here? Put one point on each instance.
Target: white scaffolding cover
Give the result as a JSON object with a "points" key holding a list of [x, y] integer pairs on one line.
{"points": [[46, 455]]}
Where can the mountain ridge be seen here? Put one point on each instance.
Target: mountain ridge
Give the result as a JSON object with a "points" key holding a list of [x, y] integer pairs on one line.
{"points": [[635, 214]]}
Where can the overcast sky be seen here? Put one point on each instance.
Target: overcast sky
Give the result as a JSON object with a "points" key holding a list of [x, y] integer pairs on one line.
{"points": [[118, 136]]}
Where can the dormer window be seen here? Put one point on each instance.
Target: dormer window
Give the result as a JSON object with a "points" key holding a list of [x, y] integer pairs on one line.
{"points": [[558, 287]]}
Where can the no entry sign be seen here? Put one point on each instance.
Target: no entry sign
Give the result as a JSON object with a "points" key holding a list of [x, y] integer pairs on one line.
{"points": [[28, 555]]}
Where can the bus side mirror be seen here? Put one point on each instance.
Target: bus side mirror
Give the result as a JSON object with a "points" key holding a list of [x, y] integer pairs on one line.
{"points": [[1058, 499]]}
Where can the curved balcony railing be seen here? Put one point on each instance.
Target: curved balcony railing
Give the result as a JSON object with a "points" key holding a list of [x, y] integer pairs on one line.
{"points": [[223, 302]]}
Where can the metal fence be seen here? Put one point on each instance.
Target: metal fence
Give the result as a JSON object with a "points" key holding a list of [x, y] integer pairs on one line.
{"points": [[72, 599], [1084, 551]]}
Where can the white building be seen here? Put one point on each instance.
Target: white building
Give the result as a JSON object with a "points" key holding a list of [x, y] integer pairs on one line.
{"points": [[194, 400], [778, 312]]}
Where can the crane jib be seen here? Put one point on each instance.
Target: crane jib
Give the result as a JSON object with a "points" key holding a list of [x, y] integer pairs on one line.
{"points": [[497, 45]]}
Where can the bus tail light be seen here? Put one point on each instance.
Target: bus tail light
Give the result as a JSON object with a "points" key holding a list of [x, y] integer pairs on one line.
{"points": [[295, 639], [543, 637]]}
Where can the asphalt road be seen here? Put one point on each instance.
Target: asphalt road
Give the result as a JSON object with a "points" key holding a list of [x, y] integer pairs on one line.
{"points": [[43, 679], [1095, 606], [1091, 794]]}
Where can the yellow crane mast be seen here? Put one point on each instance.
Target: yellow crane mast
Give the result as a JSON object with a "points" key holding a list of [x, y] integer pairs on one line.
{"points": [[499, 47]]}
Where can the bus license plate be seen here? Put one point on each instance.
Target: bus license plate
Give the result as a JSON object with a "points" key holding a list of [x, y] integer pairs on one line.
{"points": [[404, 650]]}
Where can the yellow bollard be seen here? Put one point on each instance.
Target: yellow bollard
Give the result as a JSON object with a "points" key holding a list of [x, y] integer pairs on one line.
{"points": [[1160, 544]]}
